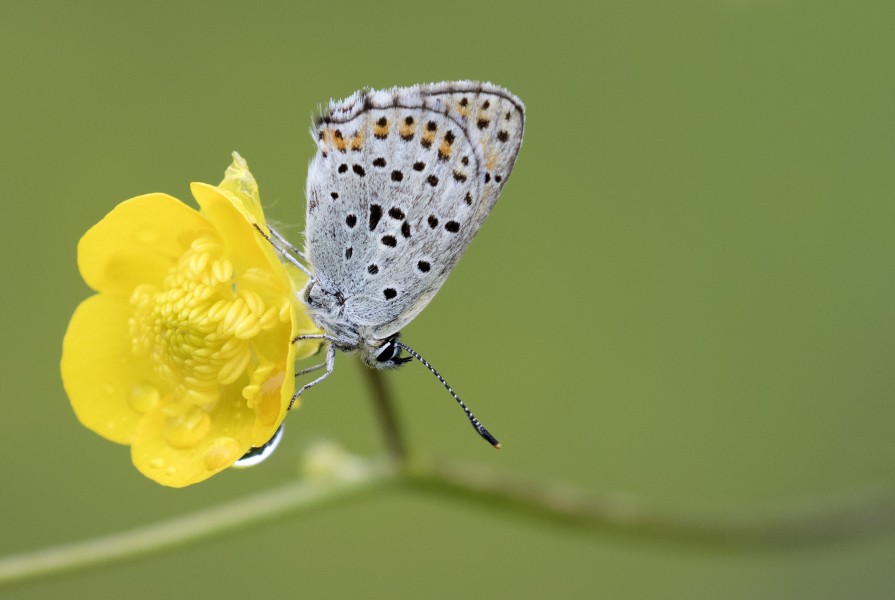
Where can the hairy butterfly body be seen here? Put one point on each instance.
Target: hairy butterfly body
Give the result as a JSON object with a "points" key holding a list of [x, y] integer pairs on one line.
{"points": [[400, 184]]}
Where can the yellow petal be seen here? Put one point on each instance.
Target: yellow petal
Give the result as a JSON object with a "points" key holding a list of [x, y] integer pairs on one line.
{"points": [[108, 387], [271, 404], [184, 449], [137, 242], [182, 428], [245, 246], [240, 182]]}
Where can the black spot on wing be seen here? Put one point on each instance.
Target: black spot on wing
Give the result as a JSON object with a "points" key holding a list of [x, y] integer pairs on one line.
{"points": [[375, 215]]}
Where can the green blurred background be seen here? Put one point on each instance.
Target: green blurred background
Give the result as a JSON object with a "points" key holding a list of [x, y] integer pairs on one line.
{"points": [[685, 292]]}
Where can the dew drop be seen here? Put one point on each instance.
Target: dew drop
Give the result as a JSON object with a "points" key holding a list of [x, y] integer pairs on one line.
{"points": [[222, 452], [143, 397], [189, 429], [157, 463], [257, 454]]}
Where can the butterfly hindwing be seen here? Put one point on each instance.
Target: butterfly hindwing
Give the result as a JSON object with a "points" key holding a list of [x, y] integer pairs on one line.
{"points": [[400, 185]]}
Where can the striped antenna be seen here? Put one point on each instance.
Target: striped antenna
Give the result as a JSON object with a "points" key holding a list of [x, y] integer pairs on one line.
{"points": [[475, 422]]}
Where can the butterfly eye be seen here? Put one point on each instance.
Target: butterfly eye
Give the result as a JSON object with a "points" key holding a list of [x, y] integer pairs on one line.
{"points": [[388, 352]]}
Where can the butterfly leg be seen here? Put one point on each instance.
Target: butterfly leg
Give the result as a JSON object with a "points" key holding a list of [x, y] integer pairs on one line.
{"points": [[284, 252], [315, 336], [330, 363], [309, 370], [286, 244]]}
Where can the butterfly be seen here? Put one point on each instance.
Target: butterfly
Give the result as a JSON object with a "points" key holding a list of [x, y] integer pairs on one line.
{"points": [[400, 184]]}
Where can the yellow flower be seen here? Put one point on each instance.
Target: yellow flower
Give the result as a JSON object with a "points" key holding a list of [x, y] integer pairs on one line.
{"points": [[185, 353]]}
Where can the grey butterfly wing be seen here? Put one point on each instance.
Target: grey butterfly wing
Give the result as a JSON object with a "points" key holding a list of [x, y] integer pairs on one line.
{"points": [[401, 183]]}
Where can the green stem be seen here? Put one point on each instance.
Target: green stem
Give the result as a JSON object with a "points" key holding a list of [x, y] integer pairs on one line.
{"points": [[191, 528], [349, 478], [858, 516], [807, 523], [388, 417]]}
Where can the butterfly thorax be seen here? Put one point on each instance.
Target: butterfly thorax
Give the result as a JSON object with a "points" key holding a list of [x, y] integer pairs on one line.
{"points": [[327, 309]]}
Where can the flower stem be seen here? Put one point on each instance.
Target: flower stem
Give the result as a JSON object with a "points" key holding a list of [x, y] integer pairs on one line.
{"points": [[388, 418], [812, 522], [344, 477], [558, 504], [214, 521]]}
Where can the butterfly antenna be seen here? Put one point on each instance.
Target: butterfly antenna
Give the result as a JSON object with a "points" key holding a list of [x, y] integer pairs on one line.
{"points": [[284, 252], [475, 422]]}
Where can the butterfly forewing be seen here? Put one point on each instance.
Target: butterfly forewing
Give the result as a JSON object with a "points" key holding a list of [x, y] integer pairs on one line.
{"points": [[400, 185]]}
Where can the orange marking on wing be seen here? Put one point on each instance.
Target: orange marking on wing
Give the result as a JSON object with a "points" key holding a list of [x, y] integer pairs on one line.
{"points": [[462, 107], [339, 141], [408, 131], [444, 151], [357, 141]]}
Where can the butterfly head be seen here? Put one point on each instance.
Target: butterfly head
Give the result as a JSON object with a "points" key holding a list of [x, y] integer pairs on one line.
{"points": [[385, 355]]}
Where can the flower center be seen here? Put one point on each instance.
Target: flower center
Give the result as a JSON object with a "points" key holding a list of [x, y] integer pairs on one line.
{"points": [[198, 328]]}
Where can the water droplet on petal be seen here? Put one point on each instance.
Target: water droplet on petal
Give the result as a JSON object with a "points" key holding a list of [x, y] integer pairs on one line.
{"points": [[157, 463], [170, 470], [189, 429], [258, 454], [108, 388], [222, 452], [143, 397]]}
